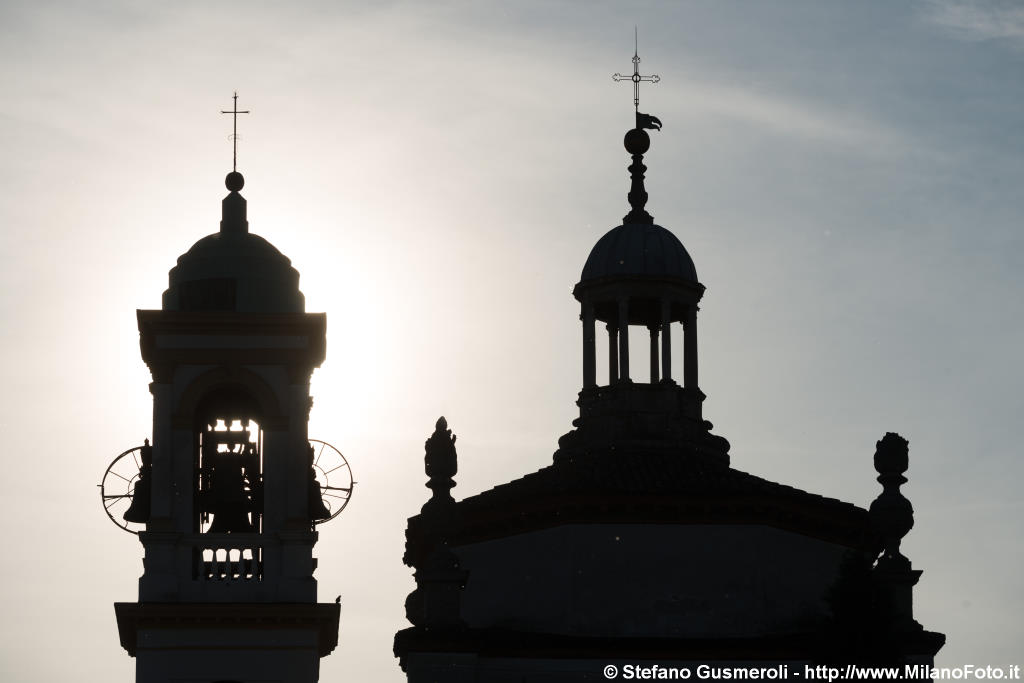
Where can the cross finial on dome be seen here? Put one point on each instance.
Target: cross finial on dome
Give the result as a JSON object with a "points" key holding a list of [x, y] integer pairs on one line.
{"points": [[234, 180], [636, 78], [233, 208], [637, 142]]}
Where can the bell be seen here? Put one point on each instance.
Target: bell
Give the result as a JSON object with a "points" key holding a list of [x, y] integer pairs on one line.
{"points": [[138, 511], [230, 503], [317, 510], [231, 520]]}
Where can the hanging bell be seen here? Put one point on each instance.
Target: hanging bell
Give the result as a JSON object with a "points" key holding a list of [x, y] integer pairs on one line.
{"points": [[317, 510], [138, 511], [230, 502], [231, 521]]}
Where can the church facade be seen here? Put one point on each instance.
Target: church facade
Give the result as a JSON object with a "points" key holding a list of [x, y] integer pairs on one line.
{"points": [[640, 548]]}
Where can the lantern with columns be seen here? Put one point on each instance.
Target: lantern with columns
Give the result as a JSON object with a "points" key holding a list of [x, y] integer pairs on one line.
{"points": [[640, 274]]}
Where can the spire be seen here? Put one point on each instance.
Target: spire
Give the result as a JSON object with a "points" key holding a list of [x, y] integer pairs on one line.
{"points": [[233, 208], [637, 142]]}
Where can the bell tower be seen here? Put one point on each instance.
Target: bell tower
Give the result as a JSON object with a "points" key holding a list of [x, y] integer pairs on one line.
{"points": [[227, 497]]}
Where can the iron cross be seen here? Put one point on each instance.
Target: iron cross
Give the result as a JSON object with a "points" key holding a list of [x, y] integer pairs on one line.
{"points": [[636, 77], [234, 131]]}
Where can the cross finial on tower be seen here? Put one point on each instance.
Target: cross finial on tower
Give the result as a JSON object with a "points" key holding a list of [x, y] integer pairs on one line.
{"points": [[637, 141], [635, 77], [234, 131]]}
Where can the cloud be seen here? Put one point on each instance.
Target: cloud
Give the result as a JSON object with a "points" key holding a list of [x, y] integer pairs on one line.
{"points": [[796, 117], [980, 19]]}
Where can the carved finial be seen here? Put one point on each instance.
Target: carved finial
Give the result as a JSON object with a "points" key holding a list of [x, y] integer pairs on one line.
{"points": [[439, 578], [893, 517], [891, 512], [441, 465], [637, 142]]}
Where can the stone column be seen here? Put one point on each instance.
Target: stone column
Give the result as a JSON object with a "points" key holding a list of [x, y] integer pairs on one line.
{"points": [[171, 505], [654, 352], [666, 340], [589, 348], [297, 486], [613, 353], [624, 339], [163, 474], [690, 348]]}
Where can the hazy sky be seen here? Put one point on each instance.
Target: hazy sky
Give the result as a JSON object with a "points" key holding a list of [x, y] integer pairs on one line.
{"points": [[846, 176]]}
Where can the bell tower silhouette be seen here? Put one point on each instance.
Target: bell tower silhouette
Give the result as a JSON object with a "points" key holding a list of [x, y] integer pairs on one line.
{"points": [[227, 492]]}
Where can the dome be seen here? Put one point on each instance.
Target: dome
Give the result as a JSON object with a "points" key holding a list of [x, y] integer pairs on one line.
{"points": [[234, 270], [639, 249]]}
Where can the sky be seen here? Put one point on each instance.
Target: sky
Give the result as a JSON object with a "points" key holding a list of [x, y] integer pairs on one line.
{"points": [[845, 176]]}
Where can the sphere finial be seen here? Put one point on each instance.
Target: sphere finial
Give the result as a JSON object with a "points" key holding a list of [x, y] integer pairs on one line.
{"points": [[637, 141], [234, 181]]}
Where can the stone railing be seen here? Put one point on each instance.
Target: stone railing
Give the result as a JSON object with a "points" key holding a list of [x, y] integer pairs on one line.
{"points": [[223, 558]]}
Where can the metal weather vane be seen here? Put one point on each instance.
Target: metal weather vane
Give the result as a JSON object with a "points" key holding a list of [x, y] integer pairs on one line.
{"points": [[636, 78], [234, 130]]}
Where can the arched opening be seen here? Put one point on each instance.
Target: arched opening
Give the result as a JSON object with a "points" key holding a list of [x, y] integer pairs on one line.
{"points": [[228, 462]]}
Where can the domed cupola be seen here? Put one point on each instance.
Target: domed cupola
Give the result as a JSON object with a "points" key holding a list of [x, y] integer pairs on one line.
{"points": [[639, 249], [640, 274], [234, 270]]}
